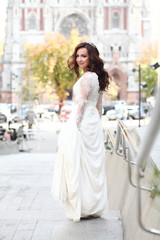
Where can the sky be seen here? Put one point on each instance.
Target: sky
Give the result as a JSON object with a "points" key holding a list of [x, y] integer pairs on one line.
{"points": [[154, 7], [155, 18], [3, 4]]}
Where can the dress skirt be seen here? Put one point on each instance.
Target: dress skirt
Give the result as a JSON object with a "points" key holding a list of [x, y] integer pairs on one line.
{"points": [[79, 180]]}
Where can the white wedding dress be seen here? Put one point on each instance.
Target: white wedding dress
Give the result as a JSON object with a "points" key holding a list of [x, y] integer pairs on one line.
{"points": [[79, 180]]}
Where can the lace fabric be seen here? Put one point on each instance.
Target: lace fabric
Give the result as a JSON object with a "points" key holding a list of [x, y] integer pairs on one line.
{"points": [[99, 104], [86, 93]]}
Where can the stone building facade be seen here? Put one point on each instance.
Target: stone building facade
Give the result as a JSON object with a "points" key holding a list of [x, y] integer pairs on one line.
{"points": [[115, 26]]}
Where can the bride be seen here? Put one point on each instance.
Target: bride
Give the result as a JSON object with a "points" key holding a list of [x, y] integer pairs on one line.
{"points": [[79, 180]]}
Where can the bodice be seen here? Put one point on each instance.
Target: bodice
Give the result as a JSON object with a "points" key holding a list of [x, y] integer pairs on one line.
{"points": [[86, 97], [90, 85]]}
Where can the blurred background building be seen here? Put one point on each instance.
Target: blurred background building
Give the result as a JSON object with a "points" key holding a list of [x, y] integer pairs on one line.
{"points": [[117, 27]]}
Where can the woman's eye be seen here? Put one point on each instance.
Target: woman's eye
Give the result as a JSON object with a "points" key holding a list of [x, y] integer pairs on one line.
{"points": [[81, 56]]}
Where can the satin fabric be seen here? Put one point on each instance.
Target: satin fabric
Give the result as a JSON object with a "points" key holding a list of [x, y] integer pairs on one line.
{"points": [[79, 180]]}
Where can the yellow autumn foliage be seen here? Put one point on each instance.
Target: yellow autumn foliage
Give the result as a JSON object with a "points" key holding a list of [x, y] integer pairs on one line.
{"points": [[113, 90], [47, 61]]}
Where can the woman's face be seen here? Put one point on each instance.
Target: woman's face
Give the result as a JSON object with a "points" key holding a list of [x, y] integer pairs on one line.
{"points": [[82, 58]]}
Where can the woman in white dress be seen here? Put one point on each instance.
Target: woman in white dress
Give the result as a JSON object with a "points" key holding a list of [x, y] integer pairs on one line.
{"points": [[79, 180]]}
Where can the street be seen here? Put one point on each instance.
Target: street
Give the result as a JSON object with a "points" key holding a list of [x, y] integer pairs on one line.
{"points": [[43, 137]]}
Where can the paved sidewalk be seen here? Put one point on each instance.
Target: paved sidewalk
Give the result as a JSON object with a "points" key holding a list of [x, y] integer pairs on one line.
{"points": [[28, 211]]}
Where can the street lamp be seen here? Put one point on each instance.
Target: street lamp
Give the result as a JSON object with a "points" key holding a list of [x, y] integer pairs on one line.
{"points": [[139, 80], [155, 65], [12, 78]]}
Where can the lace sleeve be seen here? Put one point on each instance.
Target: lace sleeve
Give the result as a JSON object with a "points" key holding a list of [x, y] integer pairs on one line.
{"points": [[99, 104], [85, 88]]}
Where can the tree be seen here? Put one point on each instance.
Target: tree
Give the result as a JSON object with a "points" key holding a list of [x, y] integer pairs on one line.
{"points": [[113, 90], [149, 76], [47, 62], [148, 54]]}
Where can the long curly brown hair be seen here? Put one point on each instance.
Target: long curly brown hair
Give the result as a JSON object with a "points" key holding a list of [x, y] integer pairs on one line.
{"points": [[96, 64]]}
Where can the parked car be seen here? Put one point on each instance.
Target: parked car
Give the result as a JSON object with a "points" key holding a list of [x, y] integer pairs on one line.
{"points": [[3, 118], [2, 131], [64, 115], [5, 110], [107, 108], [67, 105], [146, 107], [132, 108], [53, 108], [134, 114], [19, 116], [115, 114], [12, 107], [119, 103]]}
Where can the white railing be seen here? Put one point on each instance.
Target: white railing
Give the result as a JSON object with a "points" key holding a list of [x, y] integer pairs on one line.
{"points": [[142, 156], [125, 146]]}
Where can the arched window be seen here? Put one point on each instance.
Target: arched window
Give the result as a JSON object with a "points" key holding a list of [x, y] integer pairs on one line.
{"points": [[119, 48], [32, 21], [73, 21], [115, 19]]}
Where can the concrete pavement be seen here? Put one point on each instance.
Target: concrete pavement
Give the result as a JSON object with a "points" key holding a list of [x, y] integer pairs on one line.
{"points": [[28, 211]]}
